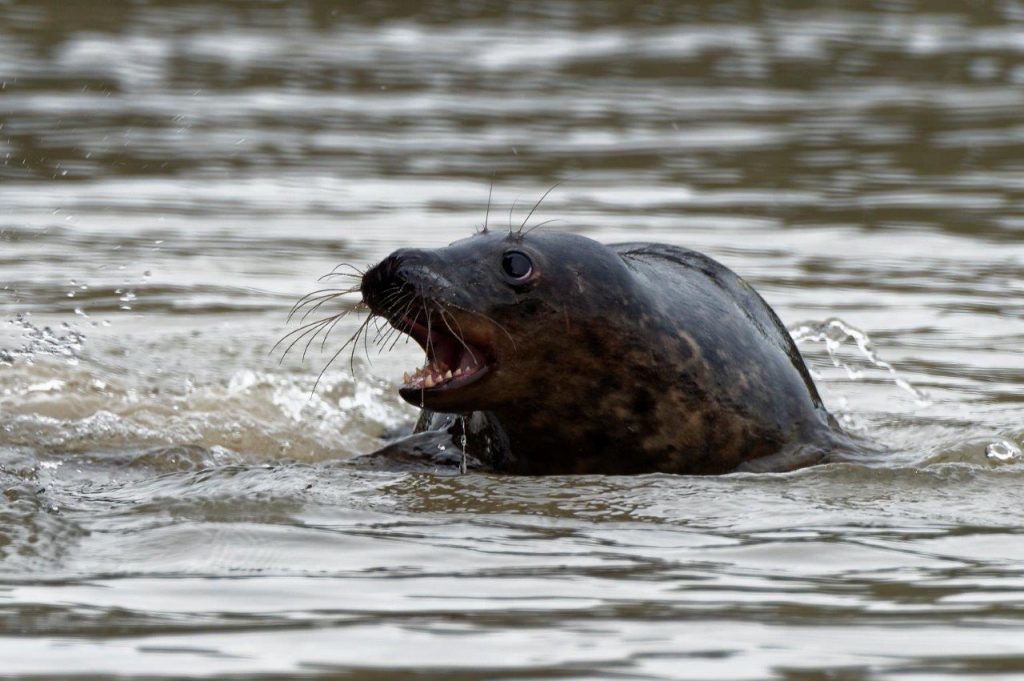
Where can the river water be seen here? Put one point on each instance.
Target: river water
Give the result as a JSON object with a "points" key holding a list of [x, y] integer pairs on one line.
{"points": [[174, 175]]}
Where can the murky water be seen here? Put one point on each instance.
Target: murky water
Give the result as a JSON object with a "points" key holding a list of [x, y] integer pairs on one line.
{"points": [[174, 175]]}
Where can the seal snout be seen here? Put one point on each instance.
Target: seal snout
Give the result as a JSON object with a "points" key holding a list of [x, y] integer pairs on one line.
{"points": [[407, 270], [408, 288], [382, 281]]}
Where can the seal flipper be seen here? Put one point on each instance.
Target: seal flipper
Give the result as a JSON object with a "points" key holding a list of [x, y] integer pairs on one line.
{"points": [[437, 442], [430, 451]]}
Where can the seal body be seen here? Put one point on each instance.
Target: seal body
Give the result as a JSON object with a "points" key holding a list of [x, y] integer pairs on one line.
{"points": [[551, 353]]}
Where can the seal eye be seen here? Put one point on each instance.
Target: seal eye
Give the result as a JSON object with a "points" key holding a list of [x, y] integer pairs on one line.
{"points": [[517, 265]]}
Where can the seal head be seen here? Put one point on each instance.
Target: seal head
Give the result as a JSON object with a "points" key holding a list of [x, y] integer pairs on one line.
{"points": [[583, 358]]}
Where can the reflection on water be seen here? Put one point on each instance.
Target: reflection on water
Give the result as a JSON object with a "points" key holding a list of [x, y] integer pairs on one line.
{"points": [[174, 175]]}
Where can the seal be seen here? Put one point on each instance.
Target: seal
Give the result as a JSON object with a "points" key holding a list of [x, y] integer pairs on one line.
{"points": [[551, 353]]}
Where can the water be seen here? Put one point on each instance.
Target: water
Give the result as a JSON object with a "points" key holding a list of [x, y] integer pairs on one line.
{"points": [[174, 176]]}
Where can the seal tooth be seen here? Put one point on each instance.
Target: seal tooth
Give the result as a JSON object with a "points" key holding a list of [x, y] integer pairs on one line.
{"points": [[405, 377], [458, 372], [428, 382], [448, 375]]}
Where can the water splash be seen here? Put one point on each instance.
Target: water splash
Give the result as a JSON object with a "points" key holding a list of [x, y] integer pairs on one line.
{"points": [[1004, 451], [834, 333], [51, 407]]}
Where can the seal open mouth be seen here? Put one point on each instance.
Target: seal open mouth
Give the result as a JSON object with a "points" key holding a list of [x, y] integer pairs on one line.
{"points": [[453, 362]]}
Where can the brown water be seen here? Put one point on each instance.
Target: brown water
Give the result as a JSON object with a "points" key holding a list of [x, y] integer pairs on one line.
{"points": [[174, 175]]}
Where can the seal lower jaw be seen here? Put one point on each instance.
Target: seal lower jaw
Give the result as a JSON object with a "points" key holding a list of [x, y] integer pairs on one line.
{"points": [[426, 384]]}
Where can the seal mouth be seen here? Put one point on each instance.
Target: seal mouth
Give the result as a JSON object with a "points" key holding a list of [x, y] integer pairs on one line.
{"points": [[452, 361]]}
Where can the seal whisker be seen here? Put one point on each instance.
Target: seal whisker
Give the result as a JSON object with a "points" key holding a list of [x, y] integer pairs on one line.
{"points": [[402, 299], [326, 293], [312, 294], [404, 303], [327, 333], [397, 337], [318, 305], [392, 300], [540, 224], [300, 331], [405, 312], [458, 335], [537, 205], [299, 334], [510, 211], [487, 211], [384, 337], [328, 328], [490, 319], [383, 327], [356, 272], [312, 337], [312, 329], [353, 339], [350, 275], [326, 324], [350, 341], [429, 347], [429, 343], [366, 345]]}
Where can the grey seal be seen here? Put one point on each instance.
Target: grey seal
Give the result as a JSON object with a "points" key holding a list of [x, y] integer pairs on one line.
{"points": [[551, 353]]}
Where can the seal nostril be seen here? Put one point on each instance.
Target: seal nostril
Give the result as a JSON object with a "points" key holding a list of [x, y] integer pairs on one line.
{"points": [[401, 270]]}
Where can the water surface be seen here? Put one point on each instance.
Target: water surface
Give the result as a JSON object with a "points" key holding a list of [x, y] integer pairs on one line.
{"points": [[173, 176]]}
